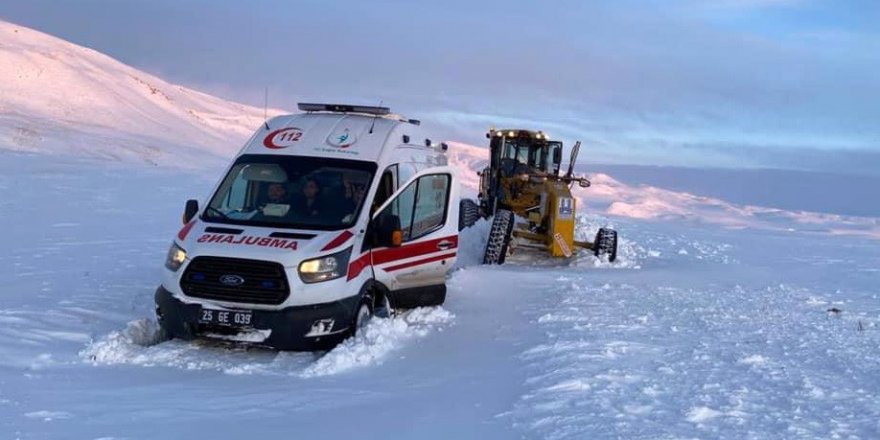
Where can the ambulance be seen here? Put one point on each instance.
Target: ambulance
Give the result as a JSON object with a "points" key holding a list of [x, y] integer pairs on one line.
{"points": [[323, 220]]}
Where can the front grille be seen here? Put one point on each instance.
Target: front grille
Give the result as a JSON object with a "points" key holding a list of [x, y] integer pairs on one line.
{"points": [[264, 282]]}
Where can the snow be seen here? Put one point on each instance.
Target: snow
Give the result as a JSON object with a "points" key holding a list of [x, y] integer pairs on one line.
{"points": [[702, 414], [717, 321], [379, 338], [62, 99], [718, 341]]}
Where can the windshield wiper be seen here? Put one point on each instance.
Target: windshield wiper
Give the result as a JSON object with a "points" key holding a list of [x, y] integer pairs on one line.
{"points": [[213, 209]]}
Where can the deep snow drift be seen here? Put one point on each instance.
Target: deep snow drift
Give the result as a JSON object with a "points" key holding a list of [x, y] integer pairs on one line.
{"points": [[697, 332]]}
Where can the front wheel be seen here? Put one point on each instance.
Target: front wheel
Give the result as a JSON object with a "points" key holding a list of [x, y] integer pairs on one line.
{"points": [[499, 237], [363, 315]]}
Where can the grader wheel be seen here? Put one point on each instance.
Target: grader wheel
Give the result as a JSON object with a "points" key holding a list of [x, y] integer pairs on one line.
{"points": [[499, 237], [468, 213], [606, 244]]}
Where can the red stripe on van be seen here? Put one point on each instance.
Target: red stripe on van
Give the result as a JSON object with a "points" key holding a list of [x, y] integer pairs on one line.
{"points": [[338, 241], [357, 266], [419, 262], [185, 230], [388, 255], [413, 250]]}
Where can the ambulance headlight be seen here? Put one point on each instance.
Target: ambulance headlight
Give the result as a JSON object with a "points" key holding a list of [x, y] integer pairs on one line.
{"points": [[325, 268], [176, 257]]}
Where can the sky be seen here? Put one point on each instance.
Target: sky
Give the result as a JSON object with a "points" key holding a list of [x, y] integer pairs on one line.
{"points": [[719, 83]]}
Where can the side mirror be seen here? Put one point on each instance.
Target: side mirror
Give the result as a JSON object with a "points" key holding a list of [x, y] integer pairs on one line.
{"points": [[557, 156], [386, 231], [396, 238], [192, 208]]}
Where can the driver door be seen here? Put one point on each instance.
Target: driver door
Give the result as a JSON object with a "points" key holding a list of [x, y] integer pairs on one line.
{"points": [[425, 211]]}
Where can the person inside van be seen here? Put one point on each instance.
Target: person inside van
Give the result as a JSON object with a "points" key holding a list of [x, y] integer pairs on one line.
{"points": [[276, 193], [354, 194], [308, 204], [277, 203]]}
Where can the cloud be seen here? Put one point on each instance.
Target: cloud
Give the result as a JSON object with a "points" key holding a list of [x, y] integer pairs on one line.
{"points": [[640, 80]]}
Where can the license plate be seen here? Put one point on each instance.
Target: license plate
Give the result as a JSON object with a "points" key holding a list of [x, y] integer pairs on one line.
{"points": [[226, 317]]}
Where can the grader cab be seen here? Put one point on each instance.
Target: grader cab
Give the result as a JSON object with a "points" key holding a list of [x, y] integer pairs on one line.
{"points": [[523, 181]]}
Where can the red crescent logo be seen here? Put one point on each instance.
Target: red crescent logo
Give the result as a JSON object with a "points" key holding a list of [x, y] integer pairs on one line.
{"points": [[282, 138]]}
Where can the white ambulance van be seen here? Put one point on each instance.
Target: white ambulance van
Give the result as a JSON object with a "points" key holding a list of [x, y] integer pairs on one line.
{"points": [[323, 219]]}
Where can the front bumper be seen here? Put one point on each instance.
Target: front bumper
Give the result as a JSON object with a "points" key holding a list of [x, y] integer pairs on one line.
{"points": [[289, 326]]}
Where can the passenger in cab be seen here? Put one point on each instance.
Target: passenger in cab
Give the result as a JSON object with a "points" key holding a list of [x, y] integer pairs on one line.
{"points": [[354, 194], [308, 204]]}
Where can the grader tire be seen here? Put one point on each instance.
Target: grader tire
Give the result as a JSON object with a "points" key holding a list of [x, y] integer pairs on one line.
{"points": [[468, 213], [499, 237], [606, 244]]}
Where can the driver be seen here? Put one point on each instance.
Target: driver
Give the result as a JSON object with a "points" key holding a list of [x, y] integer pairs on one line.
{"points": [[277, 203], [277, 193]]}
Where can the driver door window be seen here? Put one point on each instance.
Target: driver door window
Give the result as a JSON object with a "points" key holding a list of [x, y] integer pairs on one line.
{"points": [[421, 207], [429, 211]]}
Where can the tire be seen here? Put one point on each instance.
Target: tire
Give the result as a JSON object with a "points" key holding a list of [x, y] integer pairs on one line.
{"points": [[606, 244], [164, 333], [468, 213], [499, 237], [383, 309], [362, 315]]}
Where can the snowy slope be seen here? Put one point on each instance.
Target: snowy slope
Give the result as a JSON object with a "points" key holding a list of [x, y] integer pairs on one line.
{"points": [[695, 334], [60, 98]]}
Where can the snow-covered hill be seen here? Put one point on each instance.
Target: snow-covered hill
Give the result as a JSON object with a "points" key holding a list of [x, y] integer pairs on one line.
{"points": [[60, 98]]}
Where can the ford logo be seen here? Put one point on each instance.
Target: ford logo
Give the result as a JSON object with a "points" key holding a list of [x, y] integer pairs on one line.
{"points": [[232, 280]]}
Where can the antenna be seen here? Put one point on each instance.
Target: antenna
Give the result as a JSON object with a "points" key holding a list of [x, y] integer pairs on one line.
{"points": [[266, 107], [373, 124]]}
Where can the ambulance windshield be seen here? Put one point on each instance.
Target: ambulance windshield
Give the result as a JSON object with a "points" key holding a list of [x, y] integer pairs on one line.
{"points": [[291, 192]]}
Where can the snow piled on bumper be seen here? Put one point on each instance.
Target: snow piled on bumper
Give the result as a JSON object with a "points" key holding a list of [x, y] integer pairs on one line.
{"points": [[379, 338], [140, 344]]}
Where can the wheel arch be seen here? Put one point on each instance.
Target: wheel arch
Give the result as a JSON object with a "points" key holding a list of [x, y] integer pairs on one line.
{"points": [[376, 291]]}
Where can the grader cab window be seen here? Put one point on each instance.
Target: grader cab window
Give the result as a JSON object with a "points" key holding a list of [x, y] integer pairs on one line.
{"points": [[554, 157], [523, 151], [520, 155]]}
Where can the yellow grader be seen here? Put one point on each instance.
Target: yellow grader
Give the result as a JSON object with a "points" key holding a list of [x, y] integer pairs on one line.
{"points": [[523, 181]]}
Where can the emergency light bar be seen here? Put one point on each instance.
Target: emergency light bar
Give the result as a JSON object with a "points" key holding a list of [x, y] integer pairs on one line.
{"points": [[344, 108]]}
